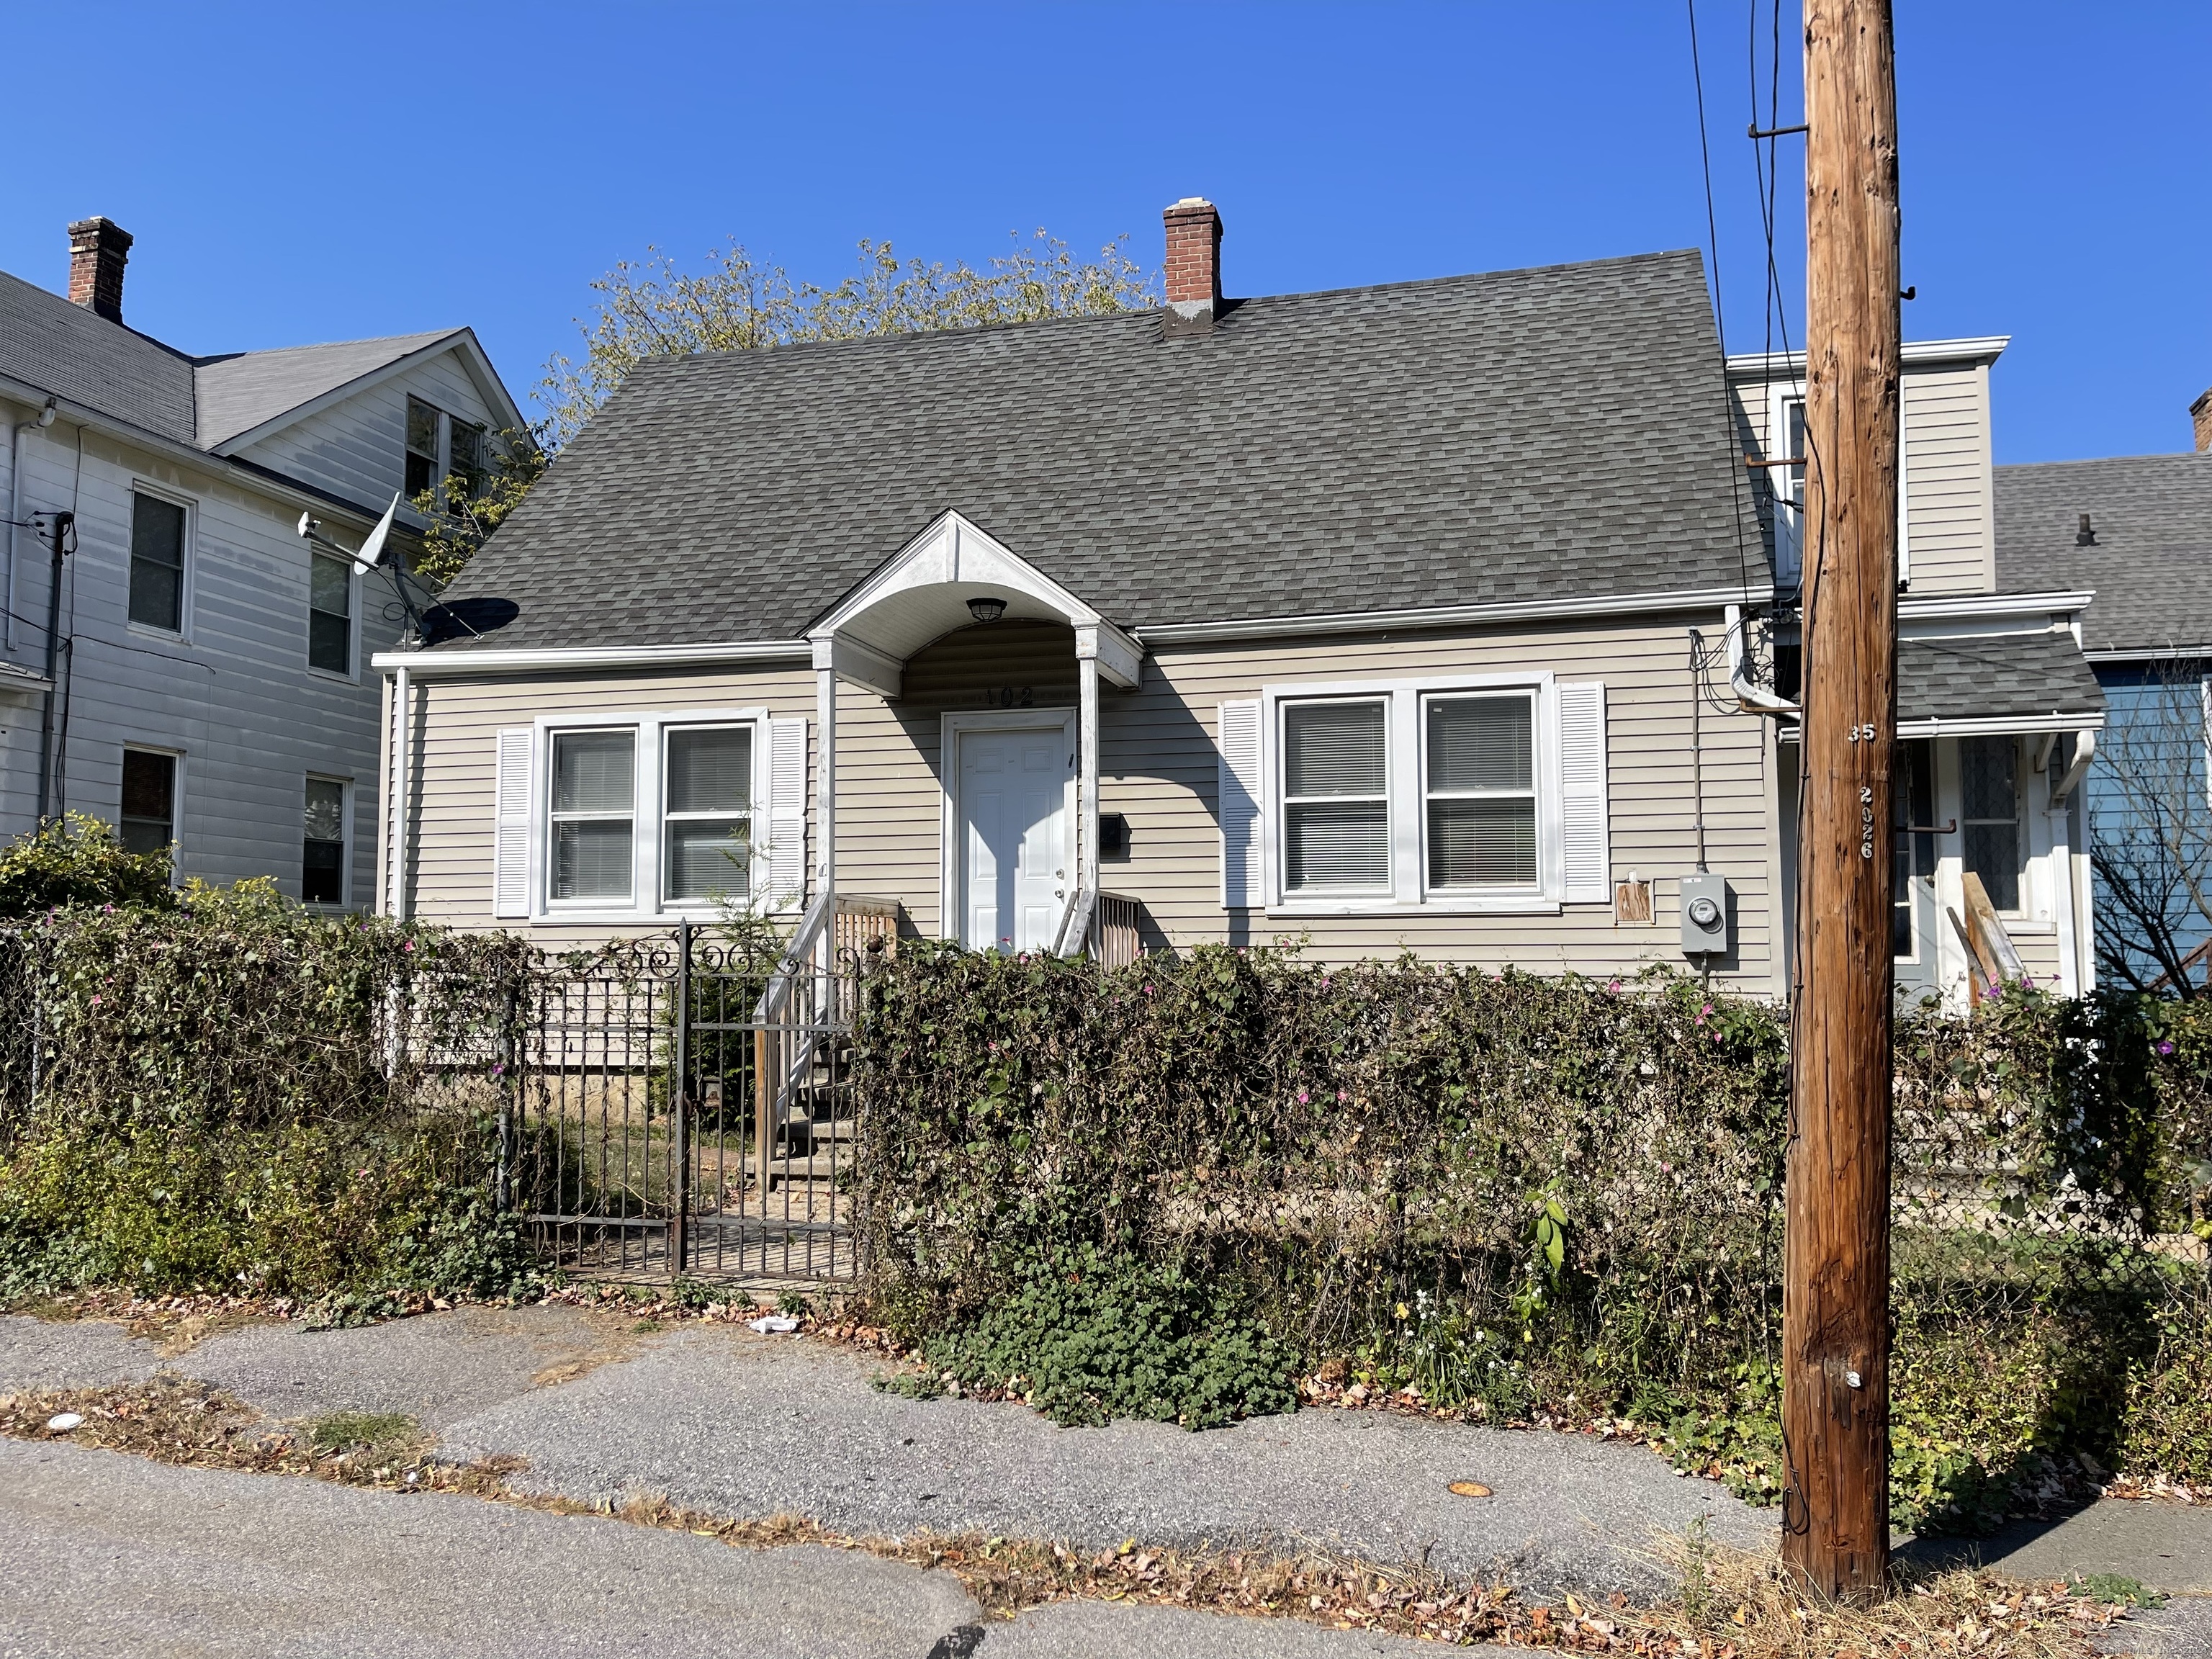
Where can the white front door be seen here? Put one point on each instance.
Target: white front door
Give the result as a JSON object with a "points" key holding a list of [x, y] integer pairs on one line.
{"points": [[1015, 851]]}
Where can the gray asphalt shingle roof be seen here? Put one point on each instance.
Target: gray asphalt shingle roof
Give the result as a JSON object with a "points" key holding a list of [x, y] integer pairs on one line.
{"points": [[1981, 677], [66, 349], [2151, 568], [1514, 436], [238, 393]]}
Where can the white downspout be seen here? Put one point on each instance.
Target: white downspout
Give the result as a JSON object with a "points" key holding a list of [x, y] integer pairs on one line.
{"points": [[402, 697]]}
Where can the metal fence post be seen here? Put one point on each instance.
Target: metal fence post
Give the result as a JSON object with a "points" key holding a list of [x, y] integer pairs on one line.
{"points": [[509, 1093], [679, 1091]]}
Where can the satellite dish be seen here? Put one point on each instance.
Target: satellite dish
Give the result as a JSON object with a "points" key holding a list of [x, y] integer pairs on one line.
{"points": [[372, 551]]}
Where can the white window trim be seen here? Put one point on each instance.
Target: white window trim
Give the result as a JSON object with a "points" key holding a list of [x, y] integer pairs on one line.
{"points": [[188, 574], [1788, 528], [649, 728], [1409, 894], [951, 903], [176, 801], [352, 676], [344, 900]]}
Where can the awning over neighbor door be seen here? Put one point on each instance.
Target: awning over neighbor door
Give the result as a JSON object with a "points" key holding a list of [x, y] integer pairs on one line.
{"points": [[1961, 683]]}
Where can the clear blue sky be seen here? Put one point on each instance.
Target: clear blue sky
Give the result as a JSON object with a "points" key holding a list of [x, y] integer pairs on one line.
{"points": [[297, 173]]}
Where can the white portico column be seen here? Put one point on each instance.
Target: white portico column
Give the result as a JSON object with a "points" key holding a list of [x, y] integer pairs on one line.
{"points": [[825, 773], [1087, 666]]}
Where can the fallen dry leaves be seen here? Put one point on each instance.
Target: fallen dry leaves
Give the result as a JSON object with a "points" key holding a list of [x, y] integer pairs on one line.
{"points": [[1745, 1610]]}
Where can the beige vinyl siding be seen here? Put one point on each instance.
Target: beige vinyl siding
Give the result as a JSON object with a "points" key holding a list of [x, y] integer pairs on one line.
{"points": [[457, 725], [1950, 516], [1159, 768]]}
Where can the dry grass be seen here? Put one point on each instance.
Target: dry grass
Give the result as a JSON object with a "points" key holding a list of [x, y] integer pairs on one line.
{"points": [[1735, 1606]]}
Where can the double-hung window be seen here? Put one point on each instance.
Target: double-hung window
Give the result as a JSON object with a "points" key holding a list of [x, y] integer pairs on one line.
{"points": [[707, 820], [329, 613], [464, 450], [157, 562], [649, 813], [422, 447], [1787, 482], [323, 843], [1476, 793], [1989, 787], [149, 801], [593, 817], [1336, 808], [1480, 783]]}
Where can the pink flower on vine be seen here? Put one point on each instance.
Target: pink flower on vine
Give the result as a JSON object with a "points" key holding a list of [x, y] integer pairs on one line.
{"points": [[1303, 1096], [1343, 1095], [1613, 986], [96, 1001]]}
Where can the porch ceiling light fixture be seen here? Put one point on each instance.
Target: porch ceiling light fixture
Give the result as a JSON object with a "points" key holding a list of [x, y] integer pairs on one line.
{"points": [[986, 609]]}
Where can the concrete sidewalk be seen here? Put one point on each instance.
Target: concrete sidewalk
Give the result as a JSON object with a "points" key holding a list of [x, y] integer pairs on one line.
{"points": [[713, 1417]]}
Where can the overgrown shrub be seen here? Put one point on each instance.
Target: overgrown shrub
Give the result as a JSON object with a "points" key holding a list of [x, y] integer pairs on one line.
{"points": [[77, 860], [235, 1092], [1528, 1194]]}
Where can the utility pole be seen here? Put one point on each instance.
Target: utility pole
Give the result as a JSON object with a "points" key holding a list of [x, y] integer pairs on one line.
{"points": [[1835, 1299]]}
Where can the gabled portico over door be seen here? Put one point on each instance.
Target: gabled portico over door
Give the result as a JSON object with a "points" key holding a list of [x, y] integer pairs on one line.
{"points": [[1022, 873]]}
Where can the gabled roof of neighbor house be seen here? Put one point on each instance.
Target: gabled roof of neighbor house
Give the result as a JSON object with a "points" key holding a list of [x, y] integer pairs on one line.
{"points": [[2151, 566], [1517, 437], [48, 344]]}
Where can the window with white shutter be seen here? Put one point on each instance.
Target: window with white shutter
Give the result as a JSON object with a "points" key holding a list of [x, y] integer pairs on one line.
{"points": [[510, 850], [1238, 807], [1584, 824], [787, 844]]}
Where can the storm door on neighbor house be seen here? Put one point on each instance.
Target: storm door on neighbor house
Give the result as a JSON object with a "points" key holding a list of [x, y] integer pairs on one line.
{"points": [[1009, 820]]}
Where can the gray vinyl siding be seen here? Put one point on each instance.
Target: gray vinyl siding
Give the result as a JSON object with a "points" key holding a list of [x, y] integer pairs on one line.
{"points": [[1949, 486], [356, 449], [232, 695], [1158, 766]]}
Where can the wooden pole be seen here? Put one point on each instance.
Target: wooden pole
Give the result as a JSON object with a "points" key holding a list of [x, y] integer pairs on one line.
{"points": [[1835, 1402]]}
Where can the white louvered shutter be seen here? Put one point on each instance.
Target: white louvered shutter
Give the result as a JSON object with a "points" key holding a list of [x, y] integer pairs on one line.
{"points": [[510, 853], [1582, 790], [1242, 857], [787, 813]]}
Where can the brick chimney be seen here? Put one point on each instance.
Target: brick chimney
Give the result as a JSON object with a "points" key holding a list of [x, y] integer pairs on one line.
{"points": [[1194, 227], [97, 248], [2201, 413]]}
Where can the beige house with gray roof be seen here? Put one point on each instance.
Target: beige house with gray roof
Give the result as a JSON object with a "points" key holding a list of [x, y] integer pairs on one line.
{"points": [[1315, 617]]}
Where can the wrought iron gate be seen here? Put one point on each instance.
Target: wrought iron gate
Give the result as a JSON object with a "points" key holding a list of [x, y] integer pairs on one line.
{"points": [[676, 1111]]}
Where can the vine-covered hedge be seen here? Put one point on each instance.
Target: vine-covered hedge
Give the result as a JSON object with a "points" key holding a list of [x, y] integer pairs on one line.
{"points": [[234, 1091], [1513, 1191]]}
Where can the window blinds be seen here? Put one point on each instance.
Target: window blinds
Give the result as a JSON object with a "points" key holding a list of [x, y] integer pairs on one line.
{"points": [[1336, 821]]}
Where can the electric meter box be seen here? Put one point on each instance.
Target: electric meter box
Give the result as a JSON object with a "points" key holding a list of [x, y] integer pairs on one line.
{"points": [[1704, 915]]}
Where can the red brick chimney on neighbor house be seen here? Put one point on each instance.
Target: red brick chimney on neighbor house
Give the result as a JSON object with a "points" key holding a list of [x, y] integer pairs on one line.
{"points": [[2201, 413], [97, 248], [1194, 263]]}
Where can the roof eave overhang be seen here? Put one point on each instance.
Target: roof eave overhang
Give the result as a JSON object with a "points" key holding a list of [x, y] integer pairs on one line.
{"points": [[253, 434], [1453, 615], [1975, 348], [429, 663]]}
